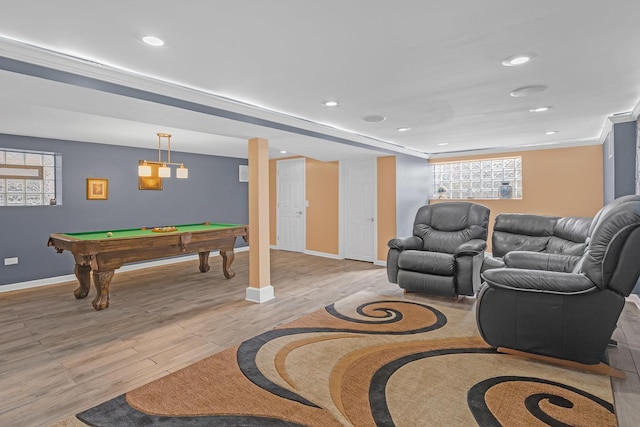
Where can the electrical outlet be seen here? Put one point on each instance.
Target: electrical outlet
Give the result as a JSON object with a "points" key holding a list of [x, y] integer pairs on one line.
{"points": [[11, 261]]}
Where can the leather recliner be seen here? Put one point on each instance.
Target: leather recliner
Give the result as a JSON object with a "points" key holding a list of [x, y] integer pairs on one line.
{"points": [[566, 315], [445, 253]]}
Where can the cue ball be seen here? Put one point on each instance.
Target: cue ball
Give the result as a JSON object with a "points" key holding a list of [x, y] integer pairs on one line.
{"points": [[109, 234]]}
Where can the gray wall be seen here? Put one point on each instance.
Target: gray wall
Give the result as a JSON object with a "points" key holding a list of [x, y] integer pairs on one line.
{"points": [[619, 161], [624, 157], [620, 170], [212, 193], [413, 190]]}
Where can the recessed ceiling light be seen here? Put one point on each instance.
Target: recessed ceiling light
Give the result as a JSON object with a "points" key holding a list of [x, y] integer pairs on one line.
{"points": [[539, 109], [551, 132], [283, 151], [153, 41], [520, 59], [443, 143], [374, 118], [331, 103], [403, 129], [528, 90]]}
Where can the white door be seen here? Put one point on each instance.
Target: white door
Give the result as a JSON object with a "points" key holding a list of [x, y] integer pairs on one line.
{"points": [[359, 209], [290, 209]]}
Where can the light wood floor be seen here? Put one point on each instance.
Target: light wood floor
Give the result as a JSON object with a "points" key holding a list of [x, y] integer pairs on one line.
{"points": [[58, 356]]}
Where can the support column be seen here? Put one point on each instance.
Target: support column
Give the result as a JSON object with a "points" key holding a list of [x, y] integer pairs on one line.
{"points": [[260, 289]]}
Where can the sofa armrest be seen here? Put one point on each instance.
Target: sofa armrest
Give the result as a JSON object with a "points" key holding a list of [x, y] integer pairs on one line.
{"points": [[471, 248], [406, 243], [538, 281], [540, 261]]}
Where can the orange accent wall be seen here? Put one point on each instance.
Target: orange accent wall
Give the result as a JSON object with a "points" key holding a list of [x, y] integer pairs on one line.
{"points": [[322, 188], [322, 193], [386, 204], [559, 181]]}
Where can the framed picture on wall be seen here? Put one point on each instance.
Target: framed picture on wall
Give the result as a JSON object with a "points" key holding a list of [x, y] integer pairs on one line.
{"points": [[97, 189]]}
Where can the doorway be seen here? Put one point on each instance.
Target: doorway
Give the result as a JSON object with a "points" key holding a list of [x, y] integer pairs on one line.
{"points": [[290, 205]]}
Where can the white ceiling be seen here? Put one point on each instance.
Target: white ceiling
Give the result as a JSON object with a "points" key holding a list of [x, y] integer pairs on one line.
{"points": [[432, 66]]}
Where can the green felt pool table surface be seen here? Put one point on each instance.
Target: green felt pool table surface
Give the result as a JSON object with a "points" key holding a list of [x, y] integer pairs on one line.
{"points": [[140, 232]]}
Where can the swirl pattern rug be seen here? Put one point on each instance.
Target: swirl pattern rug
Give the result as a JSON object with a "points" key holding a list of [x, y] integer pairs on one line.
{"points": [[359, 362]]}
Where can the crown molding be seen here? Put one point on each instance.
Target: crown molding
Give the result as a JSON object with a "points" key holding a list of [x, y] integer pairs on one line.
{"points": [[59, 61], [528, 147]]}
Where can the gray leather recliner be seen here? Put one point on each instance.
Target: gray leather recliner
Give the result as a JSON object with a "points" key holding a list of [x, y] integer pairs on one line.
{"points": [[567, 315], [445, 253]]}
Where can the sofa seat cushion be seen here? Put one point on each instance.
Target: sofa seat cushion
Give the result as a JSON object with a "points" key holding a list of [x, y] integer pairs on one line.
{"points": [[438, 263]]}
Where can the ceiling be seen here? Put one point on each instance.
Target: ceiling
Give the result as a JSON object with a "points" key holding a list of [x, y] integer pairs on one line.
{"points": [[238, 69]]}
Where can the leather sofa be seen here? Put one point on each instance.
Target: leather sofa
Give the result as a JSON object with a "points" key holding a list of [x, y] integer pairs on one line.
{"points": [[563, 238], [560, 314], [445, 253]]}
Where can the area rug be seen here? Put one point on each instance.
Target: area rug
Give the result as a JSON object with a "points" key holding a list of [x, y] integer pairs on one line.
{"points": [[381, 362]]}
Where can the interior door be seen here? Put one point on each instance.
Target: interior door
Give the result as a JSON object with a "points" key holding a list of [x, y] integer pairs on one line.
{"points": [[359, 209], [290, 205]]}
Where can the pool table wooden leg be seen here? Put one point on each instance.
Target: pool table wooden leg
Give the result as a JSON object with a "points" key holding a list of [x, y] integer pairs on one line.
{"points": [[83, 274], [102, 280], [227, 259], [204, 261]]}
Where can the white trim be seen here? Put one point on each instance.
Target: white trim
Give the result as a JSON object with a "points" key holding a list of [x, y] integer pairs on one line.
{"points": [[37, 283], [636, 111], [635, 299], [131, 267], [380, 262], [606, 129], [618, 118], [526, 147], [51, 57], [260, 295], [622, 118], [322, 254]]}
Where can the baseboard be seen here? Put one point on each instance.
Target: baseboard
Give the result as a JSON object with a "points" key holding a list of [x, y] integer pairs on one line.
{"points": [[260, 295], [634, 298], [131, 267], [383, 263], [322, 254]]}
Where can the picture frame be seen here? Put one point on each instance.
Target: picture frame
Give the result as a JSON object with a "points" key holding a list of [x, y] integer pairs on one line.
{"points": [[153, 182], [97, 188]]}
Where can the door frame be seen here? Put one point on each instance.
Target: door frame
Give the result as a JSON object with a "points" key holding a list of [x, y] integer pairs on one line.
{"points": [[304, 198], [342, 220]]}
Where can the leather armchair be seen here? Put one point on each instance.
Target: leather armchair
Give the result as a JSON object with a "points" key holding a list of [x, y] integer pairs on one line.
{"points": [[552, 310], [445, 253]]}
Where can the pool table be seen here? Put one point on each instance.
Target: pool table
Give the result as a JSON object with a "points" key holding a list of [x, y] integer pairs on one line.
{"points": [[103, 252]]}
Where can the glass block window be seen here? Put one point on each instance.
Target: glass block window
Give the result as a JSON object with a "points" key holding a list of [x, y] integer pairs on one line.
{"points": [[477, 179], [29, 178]]}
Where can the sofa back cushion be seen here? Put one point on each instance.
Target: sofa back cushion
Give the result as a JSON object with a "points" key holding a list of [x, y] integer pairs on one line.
{"points": [[569, 236], [445, 226], [521, 232]]}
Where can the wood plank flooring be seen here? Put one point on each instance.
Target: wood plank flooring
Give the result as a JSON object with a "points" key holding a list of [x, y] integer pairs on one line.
{"points": [[58, 356]]}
